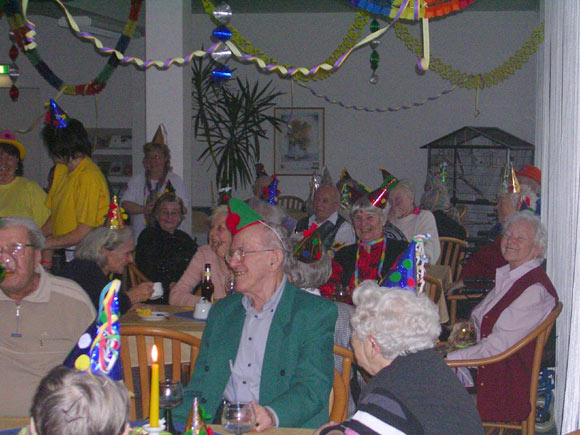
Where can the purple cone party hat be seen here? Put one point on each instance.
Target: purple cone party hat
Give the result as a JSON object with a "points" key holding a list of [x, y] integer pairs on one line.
{"points": [[380, 196], [409, 270], [55, 116], [97, 350], [271, 193], [309, 250], [240, 216]]}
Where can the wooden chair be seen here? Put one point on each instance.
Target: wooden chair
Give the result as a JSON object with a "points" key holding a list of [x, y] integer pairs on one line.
{"points": [[539, 336], [433, 288], [135, 276], [454, 298], [166, 340], [347, 361], [452, 254], [291, 203], [338, 403]]}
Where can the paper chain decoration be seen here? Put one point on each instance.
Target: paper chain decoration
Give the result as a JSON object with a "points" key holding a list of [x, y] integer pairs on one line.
{"points": [[25, 32]]}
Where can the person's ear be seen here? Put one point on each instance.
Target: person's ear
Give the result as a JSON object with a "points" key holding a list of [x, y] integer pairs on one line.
{"points": [[276, 258]]}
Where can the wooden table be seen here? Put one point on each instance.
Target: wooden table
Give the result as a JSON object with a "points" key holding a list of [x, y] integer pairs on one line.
{"points": [[191, 327], [442, 274]]}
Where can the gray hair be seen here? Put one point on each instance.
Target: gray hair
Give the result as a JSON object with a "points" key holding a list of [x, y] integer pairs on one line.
{"points": [[223, 208], [34, 233], [273, 214], [90, 248], [276, 238], [68, 401], [304, 275], [513, 197], [541, 235], [400, 321], [407, 186], [365, 204]]}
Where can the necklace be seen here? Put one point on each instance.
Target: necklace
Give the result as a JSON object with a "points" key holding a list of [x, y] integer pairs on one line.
{"points": [[383, 254]]}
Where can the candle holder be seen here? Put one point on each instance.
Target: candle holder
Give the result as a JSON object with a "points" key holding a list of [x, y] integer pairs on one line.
{"points": [[155, 430]]}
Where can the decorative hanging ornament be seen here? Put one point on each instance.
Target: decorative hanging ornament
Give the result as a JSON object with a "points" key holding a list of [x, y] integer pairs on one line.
{"points": [[222, 33], [223, 13], [221, 73], [13, 70], [374, 59]]}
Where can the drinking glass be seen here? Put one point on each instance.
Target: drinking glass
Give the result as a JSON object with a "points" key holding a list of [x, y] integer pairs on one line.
{"points": [[238, 418], [170, 396]]}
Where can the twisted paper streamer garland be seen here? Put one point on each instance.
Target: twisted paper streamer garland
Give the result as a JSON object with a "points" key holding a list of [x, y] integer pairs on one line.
{"points": [[377, 110], [105, 347], [420, 260], [25, 33], [348, 41], [481, 80]]}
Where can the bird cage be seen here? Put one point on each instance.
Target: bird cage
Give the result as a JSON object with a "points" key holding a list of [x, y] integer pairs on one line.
{"points": [[474, 158]]}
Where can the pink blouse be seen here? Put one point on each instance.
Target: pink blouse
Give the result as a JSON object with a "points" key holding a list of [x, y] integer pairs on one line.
{"points": [[220, 276]]}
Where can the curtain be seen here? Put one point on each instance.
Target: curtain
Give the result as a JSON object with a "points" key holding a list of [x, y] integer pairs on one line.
{"points": [[558, 136]]}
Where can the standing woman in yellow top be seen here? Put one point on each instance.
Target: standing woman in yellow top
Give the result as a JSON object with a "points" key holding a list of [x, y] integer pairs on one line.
{"points": [[79, 197], [19, 196]]}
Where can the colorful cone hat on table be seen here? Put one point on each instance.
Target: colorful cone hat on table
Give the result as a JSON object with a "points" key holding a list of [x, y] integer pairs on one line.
{"points": [[198, 421], [309, 250], [271, 193], [8, 137], [97, 350], [409, 270], [56, 116], [240, 216], [380, 196]]}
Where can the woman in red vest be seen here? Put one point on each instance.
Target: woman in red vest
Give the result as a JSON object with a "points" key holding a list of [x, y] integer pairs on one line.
{"points": [[522, 298]]}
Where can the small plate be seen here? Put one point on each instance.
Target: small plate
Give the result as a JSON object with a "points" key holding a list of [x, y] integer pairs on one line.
{"points": [[155, 316]]}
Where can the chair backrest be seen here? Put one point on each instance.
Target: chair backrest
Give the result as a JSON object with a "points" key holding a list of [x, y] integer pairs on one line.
{"points": [[291, 202], [347, 361], [338, 404], [135, 352], [135, 276], [433, 288], [452, 253], [540, 335]]}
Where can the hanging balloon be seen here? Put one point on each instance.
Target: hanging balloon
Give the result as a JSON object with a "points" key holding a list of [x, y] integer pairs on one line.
{"points": [[13, 72], [222, 55], [374, 59], [222, 33], [14, 93], [223, 13]]}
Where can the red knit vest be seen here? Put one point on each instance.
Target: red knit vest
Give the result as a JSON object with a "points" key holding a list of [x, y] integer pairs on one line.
{"points": [[503, 390]]}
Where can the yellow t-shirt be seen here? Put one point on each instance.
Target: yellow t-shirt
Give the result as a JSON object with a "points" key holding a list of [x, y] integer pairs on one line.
{"points": [[25, 198], [81, 196]]}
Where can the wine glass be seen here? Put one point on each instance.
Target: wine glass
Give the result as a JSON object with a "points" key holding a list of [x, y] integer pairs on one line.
{"points": [[170, 396], [238, 418]]}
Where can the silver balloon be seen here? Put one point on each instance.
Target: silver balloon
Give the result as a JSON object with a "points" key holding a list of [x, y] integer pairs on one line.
{"points": [[13, 72], [12, 36], [374, 79], [223, 13], [222, 55], [375, 44]]}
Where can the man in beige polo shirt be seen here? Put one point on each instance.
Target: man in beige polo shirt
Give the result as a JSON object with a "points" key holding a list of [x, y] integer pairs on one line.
{"points": [[41, 316]]}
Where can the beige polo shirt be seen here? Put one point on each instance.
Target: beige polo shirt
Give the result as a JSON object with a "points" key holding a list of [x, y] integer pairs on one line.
{"points": [[37, 334]]}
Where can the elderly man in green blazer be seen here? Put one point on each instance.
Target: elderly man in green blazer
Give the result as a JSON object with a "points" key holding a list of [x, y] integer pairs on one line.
{"points": [[278, 338]]}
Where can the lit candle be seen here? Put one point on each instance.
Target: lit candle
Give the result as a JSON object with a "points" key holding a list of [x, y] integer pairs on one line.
{"points": [[154, 400]]}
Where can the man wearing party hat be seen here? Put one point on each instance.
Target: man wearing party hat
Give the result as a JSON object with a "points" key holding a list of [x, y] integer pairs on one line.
{"points": [[260, 185], [41, 316], [270, 343]]}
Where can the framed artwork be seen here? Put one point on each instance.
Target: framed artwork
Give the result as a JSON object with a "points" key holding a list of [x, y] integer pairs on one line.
{"points": [[299, 146]]}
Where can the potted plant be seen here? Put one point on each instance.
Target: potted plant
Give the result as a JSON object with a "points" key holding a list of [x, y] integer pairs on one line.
{"points": [[231, 118]]}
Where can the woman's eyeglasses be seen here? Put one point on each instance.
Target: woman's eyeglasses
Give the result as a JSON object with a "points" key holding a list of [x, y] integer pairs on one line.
{"points": [[15, 250]]}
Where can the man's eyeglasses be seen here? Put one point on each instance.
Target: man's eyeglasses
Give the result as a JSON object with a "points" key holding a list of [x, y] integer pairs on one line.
{"points": [[15, 250], [240, 254]]}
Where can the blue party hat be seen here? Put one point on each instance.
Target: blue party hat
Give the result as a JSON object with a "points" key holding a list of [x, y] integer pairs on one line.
{"points": [[55, 116], [97, 350], [408, 271]]}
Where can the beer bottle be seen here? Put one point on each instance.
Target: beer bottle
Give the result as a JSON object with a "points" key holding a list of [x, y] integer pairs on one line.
{"points": [[206, 284]]}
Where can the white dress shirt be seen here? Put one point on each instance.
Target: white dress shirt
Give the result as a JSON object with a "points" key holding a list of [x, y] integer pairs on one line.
{"points": [[345, 234], [520, 318], [422, 223]]}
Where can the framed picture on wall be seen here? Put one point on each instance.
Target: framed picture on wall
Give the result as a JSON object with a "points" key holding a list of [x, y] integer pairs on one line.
{"points": [[299, 146]]}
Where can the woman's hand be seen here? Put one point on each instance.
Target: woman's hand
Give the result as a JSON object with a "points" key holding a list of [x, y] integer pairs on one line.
{"points": [[141, 292]]}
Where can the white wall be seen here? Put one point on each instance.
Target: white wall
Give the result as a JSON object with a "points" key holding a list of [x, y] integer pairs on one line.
{"points": [[362, 142]]}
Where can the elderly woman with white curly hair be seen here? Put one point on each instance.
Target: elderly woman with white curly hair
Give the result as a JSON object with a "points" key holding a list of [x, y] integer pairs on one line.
{"points": [[412, 390]]}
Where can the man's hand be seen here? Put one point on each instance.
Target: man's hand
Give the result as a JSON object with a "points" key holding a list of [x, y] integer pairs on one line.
{"points": [[264, 418]]}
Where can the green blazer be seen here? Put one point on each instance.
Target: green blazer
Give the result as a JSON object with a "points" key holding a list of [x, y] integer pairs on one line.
{"points": [[298, 368]]}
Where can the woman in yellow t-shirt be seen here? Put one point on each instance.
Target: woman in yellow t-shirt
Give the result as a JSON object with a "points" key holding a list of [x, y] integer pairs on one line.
{"points": [[19, 196], [79, 197]]}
